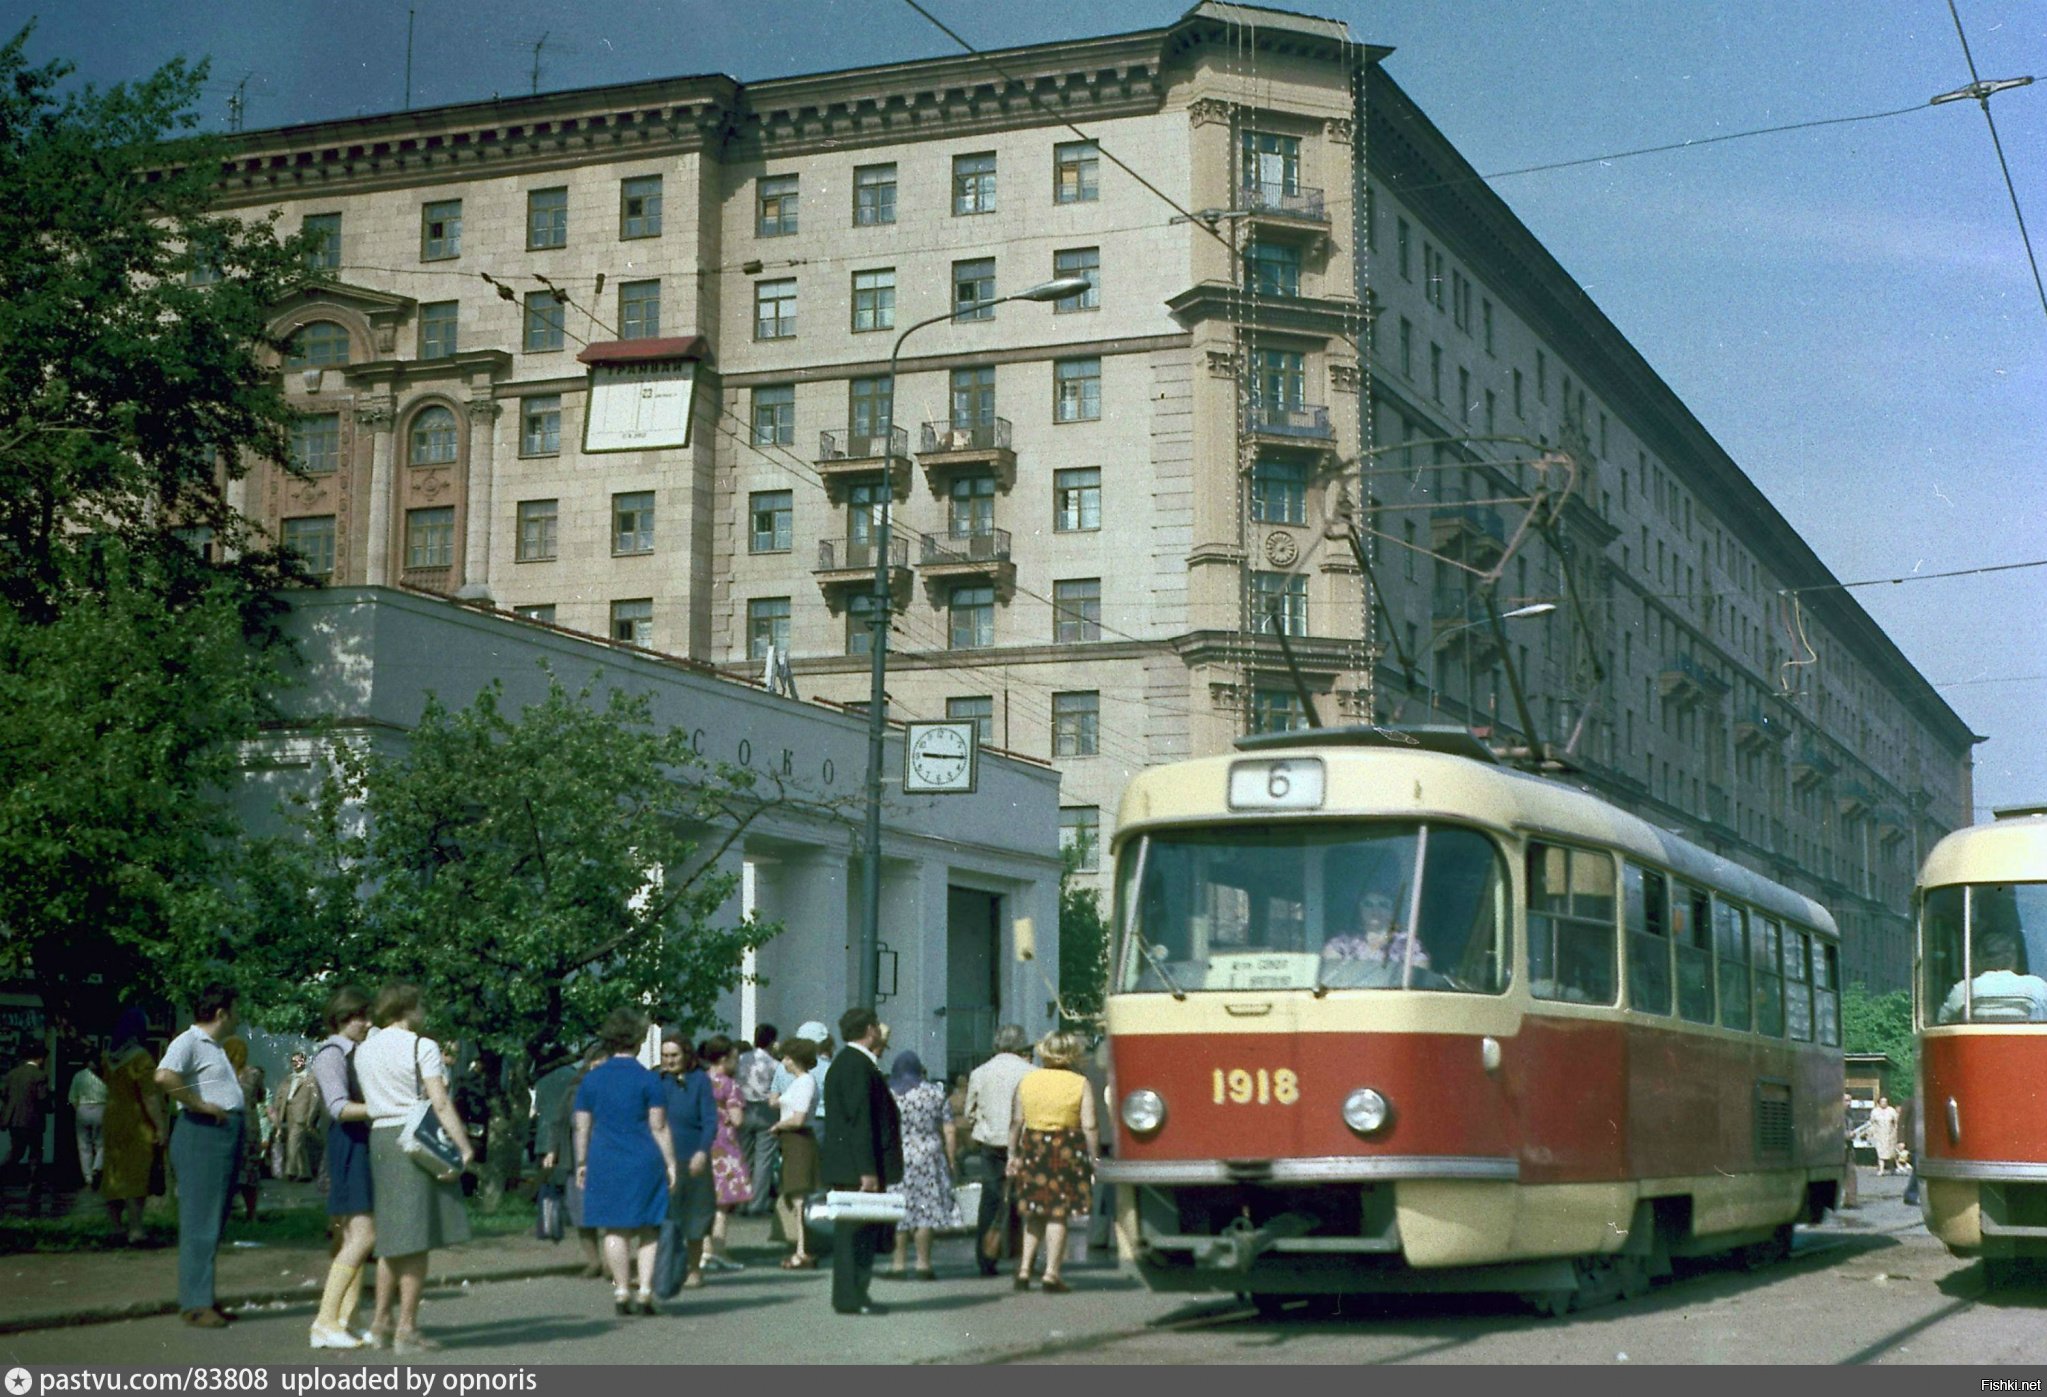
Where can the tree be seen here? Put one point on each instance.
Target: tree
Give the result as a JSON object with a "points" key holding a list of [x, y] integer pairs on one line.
{"points": [[1882, 1023], [530, 874], [135, 604], [1083, 944]]}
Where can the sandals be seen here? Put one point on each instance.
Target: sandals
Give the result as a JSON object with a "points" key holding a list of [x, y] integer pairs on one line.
{"points": [[1054, 1286]]}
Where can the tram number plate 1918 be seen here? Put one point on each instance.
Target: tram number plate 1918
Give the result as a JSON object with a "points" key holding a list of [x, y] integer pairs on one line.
{"points": [[1280, 783]]}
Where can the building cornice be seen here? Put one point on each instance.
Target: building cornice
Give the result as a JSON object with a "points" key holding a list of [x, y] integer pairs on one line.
{"points": [[1323, 317], [938, 363]]}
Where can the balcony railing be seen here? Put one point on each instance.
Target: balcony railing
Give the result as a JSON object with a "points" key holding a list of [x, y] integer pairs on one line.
{"points": [[940, 437], [981, 546], [1291, 200], [1684, 676], [1451, 515], [850, 445], [858, 554], [1303, 420]]}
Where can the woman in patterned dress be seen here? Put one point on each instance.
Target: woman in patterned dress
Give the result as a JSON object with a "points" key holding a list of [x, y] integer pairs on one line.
{"points": [[728, 1165], [1053, 1143], [929, 1145]]}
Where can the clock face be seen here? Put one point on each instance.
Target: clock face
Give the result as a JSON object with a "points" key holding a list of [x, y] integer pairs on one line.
{"points": [[940, 757]]}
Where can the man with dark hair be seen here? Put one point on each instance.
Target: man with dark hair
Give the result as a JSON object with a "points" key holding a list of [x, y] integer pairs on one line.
{"points": [[862, 1149], [26, 1106], [991, 1088], [758, 1144], [205, 1145]]}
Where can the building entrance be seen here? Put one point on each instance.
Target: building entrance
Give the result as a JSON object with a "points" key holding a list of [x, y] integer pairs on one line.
{"points": [[973, 976]]}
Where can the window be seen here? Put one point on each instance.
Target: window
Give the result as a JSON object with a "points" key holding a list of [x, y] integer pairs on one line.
{"points": [[437, 329], [1797, 991], [970, 505], [973, 397], [1826, 986], [547, 218], [777, 205], [1691, 935], [639, 207], [1767, 945], [1730, 940], [430, 537], [1541, 377], [774, 515], [1274, 709], [1412, 551], [1485, 308], [1518, 408], [432, 441], [316, 443], [311, 539], [870, 406], [767, 624], [440, 230], [1077, 390], [1280, 380], [874, 195], [865, 499], [538, 522], [1076, 724], [1279, 492], [1081, 262], [1492, 422], [774, 309], [973, 284], [535, 611], [540, 425], [1279, 602], [971, 612], [774, 415], [1406, 347], [977, 709], [1080, 833], [1436, 372], [198, 538], [543, 322], [1646, 894], [973, 183], [874, 300], [639, 310], [1275, 269], [1403, 238], [633, 621], [1076, 499], [1272, 165], [1075, 166], [316, 345], [1077, 610], [325, 230], [1570, 924], [1464, 394], [632, 522]]}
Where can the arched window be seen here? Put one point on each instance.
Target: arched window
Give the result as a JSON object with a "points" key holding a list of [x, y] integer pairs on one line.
{"points": [[317, 344], [433, 437]]}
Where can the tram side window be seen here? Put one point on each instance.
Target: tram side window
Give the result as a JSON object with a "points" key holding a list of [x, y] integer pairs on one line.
{"points": [[1691, 929], [1766, 940], [1940, 939], [2007, 948], [1797, 992], [1571, 924], [1826, 1002], [1647, 896], [1730, 940]]}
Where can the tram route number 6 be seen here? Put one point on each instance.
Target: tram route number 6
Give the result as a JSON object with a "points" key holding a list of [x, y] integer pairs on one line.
{"points": [[1287, 783], [1242, 1087]]}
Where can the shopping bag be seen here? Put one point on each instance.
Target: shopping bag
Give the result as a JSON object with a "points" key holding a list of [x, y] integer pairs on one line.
{"points": [[671, 1260], [547, 1213], [421, 1138], [966, 1207], [1077, 1227]]}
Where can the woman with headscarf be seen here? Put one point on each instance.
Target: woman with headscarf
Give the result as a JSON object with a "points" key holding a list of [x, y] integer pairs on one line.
{"points": [[929, 1146], [134, 1127], [1053, 1142], [248, 1179]]}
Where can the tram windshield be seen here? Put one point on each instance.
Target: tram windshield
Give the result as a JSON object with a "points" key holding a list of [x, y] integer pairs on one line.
{"points": [[1983, 946], [1323, 906]]}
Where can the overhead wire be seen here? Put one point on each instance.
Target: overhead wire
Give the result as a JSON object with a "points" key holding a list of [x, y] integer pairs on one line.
{"points": [[1983, 100]]}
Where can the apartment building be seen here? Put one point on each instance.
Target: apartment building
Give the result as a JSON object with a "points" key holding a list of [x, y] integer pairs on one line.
{"points": [[1305, 314]]}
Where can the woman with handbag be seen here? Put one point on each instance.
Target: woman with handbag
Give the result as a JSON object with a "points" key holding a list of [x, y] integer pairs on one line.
{"points": [[418, 1196], [624, 1158]]}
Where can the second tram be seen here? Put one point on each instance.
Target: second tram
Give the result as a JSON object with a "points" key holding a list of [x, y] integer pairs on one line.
{"points": [[1388, 1015]]}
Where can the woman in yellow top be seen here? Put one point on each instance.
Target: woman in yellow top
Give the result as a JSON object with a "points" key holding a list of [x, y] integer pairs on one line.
{"points": [[1053, 1143]]}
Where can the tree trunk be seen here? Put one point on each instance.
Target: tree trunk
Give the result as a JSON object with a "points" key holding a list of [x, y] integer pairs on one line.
{"points": [[511, 1114]]}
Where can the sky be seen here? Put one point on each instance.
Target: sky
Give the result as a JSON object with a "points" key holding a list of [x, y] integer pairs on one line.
{"points": [[1848, 309]]}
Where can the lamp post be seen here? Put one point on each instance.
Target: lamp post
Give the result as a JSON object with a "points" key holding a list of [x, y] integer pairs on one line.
{"points": [[1540, 608], [877, 720]]}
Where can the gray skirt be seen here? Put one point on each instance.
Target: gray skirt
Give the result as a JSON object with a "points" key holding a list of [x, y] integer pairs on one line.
{"points": [[414, 1214]]}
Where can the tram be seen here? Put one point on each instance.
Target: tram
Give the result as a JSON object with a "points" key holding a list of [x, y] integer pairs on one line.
{"points": [[1981, 1128], [1389, 1015]]}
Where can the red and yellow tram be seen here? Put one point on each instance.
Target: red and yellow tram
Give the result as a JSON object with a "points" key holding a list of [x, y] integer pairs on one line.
{"points": [[1981, 1123], [1389, 1015]]}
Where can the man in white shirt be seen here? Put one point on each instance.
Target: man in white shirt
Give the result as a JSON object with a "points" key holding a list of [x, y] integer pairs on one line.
{"points": [[1999, 993], [991, 1088], [206, 1144]]}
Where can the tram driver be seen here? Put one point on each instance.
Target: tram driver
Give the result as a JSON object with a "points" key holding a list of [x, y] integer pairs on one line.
{"points": [[2000, 993], [1377, 952]]}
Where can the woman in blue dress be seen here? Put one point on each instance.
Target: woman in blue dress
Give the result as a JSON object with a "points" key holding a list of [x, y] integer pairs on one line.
{"points": [[624, 1158]]}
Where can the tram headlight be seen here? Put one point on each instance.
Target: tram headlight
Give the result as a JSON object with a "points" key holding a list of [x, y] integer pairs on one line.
{"points": [[1365, 1111], [1144, 1111]]}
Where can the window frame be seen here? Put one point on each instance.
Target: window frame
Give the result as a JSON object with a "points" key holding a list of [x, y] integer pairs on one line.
{"points": [[327, 255], [302, 432], [536, 531], [1084, 403], [973, 185], [783, 414], [447, 245], [766, 625], [540, 327], [1588, 922], [556, 216], [440, 329], [878, 204], [876, 302], [1082, 262], [634, 298], [1083, 159], [980, 306], [781, 531], [549, 440], [646, 222], [1077, 723], [430, 542], [1062, 486], [632, 523], [295, 545], [779, 292], [442, 443], [1076, 610], [970, 604], [783, 193], [636, 619]]}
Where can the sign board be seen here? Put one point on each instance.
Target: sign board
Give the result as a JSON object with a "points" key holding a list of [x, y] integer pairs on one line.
{"points": [[940, 758], [640, 405]]}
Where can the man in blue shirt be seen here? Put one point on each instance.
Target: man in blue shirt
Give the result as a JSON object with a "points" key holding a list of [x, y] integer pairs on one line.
{"points": [[206, 1145]]}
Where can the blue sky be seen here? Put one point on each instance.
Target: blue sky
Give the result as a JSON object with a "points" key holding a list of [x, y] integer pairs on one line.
{"points": [[1847, 309]]}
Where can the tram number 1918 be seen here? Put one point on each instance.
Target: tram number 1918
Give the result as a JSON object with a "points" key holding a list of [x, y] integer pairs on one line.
{"points": [[1239, 1086]]}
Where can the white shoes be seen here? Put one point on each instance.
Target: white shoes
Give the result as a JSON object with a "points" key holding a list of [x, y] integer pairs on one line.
{"points": [[337, 1337]]}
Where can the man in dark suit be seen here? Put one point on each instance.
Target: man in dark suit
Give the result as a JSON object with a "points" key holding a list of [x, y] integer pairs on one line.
{"points": [[862, 1149]]}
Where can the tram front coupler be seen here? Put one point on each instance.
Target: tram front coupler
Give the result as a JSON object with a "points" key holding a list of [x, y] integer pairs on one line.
{"points": [[1240, 1243]]}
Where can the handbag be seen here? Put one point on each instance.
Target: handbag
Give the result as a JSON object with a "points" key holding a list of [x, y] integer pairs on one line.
{"points": [[547, 1213], [421, 1138]]}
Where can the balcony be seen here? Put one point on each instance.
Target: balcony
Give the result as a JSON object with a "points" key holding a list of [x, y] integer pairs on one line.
{"points": [[1810, 764], [1290, 424], [982, 554], [1853, 798], [850, 455], [946, 450], [1292, 211], [1684, 680], [846, 566], [1758, 729], [1474, 533]]}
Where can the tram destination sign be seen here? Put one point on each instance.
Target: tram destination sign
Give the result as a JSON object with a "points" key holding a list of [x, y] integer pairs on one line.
{"points": [[1277, 783]]}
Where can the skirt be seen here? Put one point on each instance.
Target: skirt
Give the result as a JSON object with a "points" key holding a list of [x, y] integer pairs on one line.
{"points": [[1055, 1177], [348, 1169], [800, 1162], [414, 1213]]}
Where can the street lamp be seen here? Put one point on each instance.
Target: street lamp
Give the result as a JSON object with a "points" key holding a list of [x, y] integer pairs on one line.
{"points": [[1540, 608], [877, 722]]}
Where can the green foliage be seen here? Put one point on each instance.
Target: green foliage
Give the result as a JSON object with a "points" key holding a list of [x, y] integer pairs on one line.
{"points": [[1882, 1023], [1083, 945]]}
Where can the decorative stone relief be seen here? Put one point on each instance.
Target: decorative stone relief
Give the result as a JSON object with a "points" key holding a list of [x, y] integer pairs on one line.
{"points": [[1344, 377], [375, 413], [430, 484], [484, 409], [1281, 550], [1338, 130], [1222, 364], [1207, 111]]}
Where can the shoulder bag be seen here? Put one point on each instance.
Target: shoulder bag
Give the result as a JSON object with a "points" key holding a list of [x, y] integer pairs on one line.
{"points": [[421, 1137]]}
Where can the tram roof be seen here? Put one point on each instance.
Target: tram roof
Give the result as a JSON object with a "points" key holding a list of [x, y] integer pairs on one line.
{"points": [[1387, 776], [2010, 849]]}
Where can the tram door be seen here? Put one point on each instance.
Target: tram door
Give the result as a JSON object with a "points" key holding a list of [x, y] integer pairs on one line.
{"points": [[973, 977]]}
